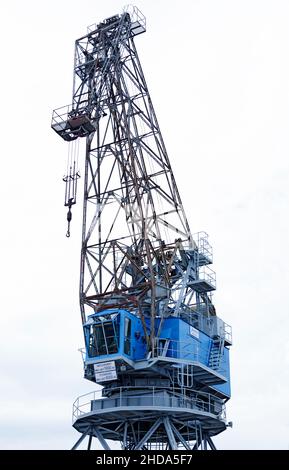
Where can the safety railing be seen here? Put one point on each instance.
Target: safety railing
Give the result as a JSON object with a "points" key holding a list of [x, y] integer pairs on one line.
{"points": [[60, 116], [200, 317], [138, 21], [192, 351], [170, 349], [149, 397], [204, 248], [83, 354], [228, 333], [206, 274]]}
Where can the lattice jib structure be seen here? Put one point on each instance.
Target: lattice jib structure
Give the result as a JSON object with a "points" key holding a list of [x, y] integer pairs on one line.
{"points": [[152, 337]]}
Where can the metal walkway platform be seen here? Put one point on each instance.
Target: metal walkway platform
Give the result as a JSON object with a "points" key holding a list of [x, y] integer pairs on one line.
{"points": [[144, 406]]}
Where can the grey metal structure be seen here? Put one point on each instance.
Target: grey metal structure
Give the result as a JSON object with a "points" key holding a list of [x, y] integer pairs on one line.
{"points": [[150, 417], [138, 259]]}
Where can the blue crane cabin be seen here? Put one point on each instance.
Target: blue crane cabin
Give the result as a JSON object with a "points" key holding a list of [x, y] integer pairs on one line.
{"points": [[118, 335]]}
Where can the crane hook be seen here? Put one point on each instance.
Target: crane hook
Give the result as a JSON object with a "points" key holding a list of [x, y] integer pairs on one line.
{"points": [[69, 217]]}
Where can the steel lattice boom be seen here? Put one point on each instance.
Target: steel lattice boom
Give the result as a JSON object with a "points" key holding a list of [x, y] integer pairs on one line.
{"points": [[149, 323]]}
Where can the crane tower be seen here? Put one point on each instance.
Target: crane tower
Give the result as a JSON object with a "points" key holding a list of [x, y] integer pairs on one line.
{"points": [[152, 338]]}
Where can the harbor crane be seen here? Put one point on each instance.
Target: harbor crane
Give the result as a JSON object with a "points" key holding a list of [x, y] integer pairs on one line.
{"points": [[153, 340]]}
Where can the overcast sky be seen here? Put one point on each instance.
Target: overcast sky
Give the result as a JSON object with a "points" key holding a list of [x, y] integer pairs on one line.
{"points": [[218, 74]]}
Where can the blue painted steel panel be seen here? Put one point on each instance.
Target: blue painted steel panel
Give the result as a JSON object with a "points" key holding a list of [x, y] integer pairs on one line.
{"points": [[225, 370], [178, 339]]}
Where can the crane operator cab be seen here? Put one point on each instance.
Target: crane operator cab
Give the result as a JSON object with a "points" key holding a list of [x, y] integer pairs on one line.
{"points": [[114, 335], [116, 343]]}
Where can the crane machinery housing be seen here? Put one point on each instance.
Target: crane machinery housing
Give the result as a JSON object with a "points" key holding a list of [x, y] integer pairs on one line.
{"points": [[152, 338]]}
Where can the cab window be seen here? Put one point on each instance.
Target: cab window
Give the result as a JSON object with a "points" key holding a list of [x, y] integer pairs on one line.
{"points": [[127, 336]]}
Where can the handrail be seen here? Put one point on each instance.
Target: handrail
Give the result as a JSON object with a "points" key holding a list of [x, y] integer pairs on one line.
{"points": [[207, 323], [204, 247], [126, 396], [207, 274], [177, 348], [187, 350], [167, 348]]}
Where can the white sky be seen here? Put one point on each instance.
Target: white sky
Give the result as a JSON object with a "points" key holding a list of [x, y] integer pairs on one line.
{"points": [[218, 74]]}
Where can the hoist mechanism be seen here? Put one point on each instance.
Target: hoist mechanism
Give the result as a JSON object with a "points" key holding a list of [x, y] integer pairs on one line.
{"points": [[70, 180], [153, 340]]}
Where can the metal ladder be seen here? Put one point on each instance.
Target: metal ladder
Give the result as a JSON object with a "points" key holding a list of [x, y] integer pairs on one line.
{"points": [[185, 376], [216, 353]]}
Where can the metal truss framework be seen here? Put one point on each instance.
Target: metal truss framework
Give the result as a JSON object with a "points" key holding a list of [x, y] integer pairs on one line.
{"points": [[162, 435], [137, 250]]}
